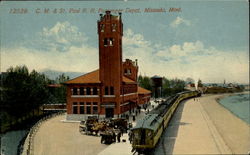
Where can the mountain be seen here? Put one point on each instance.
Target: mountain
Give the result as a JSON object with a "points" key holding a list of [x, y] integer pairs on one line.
{"points": [[53, 74]]}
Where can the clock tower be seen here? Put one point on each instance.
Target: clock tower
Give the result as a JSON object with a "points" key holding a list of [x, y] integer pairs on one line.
{"points": [[110, 31]]}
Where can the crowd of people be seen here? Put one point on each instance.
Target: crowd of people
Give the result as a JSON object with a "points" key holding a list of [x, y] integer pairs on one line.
{"points": [[117, 133]]}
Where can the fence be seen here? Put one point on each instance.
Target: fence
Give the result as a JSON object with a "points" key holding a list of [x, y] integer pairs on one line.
{"points": [[30, 138]]}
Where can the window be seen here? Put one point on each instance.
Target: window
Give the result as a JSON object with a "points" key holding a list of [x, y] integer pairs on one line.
{"points": [[81, 107], [81, 91], [108, 41], [106, 90], [105, 41], [113, 27], [102, 27], [88, 91], [129, 71], [111, 41], [95, 109], [75, 108], [111, 90], [95, 91], [75, 91], [88, 109]]}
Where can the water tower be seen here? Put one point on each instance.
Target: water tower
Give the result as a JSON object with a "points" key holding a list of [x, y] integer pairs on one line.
{"points": [[157, 86]]}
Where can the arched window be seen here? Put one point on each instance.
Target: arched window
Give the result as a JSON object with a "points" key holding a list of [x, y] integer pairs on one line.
{"points": [[102, 27], [113, 27], [105, 41]]}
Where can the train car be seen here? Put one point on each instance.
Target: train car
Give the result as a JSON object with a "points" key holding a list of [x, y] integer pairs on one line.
{"points": [[149, 129]]}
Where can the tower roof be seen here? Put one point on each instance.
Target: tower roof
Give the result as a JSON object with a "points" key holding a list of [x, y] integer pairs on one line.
{"points": [[109, 15]]}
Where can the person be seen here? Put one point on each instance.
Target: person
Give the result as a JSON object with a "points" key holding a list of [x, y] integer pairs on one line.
{"points": [[130, 136], [119, 136], [102, 138], [114, 136], [127, 117], [130, 125], [121, 130], [133, 117]]}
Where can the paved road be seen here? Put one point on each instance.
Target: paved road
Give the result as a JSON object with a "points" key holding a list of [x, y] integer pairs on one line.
{"points": [[58, 138], [196, 128]]}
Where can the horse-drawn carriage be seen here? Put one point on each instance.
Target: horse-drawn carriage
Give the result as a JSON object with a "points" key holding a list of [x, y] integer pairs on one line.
{"points": [[108, 136], [119, 123], [91, 125], [107, 129]]}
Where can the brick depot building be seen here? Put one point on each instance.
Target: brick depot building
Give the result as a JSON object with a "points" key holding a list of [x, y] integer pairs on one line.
{"points": [[112, 90]]}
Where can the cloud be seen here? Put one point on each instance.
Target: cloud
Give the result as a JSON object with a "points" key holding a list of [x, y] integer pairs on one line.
{"points": [[132, 39], [61, 47], [78, 59], [59, 37], [179, 21], [189, 59], [193, 48]]}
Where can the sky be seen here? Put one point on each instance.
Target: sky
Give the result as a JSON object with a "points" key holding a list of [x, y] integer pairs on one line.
{"points": [[207, 40]]}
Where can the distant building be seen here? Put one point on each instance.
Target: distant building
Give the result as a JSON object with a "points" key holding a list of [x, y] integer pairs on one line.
{"points": [[111, 90], [222, 88], [190, 86]]}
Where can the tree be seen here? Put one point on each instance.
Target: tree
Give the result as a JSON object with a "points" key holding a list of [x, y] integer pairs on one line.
{"points": [[172, 86], [60, 92], [145, 82], [62, 78], [200, 83], [23, 91]]}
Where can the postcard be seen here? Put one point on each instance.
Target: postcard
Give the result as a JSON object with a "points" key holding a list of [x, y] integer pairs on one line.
{"points": [[166, 75]]}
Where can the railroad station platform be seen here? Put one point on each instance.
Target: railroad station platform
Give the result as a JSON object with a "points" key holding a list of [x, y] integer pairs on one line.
{"points": [[202, 126]]}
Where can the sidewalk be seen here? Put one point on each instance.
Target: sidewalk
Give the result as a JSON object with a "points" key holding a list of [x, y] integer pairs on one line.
{"points": [[191, 131]]}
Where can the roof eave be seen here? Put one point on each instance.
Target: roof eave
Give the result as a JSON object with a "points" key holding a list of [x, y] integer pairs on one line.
{"points": [[82, 83]]}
